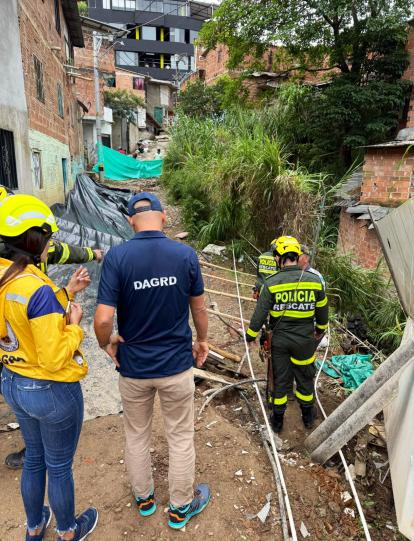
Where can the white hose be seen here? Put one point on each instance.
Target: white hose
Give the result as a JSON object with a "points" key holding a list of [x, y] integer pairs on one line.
{"points": [[262, 406], [347, 472]]}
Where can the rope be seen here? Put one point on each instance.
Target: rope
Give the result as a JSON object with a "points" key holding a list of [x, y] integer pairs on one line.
{"points": [[269, 430], [341, 454]]}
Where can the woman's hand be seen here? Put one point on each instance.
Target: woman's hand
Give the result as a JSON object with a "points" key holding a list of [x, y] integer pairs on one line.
{"points": [[79, 281], [75, 314]]}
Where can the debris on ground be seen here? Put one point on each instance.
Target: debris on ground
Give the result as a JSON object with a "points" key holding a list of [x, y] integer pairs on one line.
{"points": [[214, 249]]}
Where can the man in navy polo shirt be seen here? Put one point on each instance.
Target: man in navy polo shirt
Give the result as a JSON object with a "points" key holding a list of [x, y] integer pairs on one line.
{"points": [[152, 282]]}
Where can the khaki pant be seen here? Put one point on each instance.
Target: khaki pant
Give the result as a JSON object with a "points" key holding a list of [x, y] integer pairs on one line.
{"points": [[176, 395]]}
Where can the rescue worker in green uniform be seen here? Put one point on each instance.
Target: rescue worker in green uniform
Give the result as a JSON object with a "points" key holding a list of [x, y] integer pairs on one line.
{"points": [[59, 253], [296, 302]]}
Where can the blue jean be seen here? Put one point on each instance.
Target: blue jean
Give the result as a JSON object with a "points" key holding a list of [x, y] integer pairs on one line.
{"points": [[50, 415]]}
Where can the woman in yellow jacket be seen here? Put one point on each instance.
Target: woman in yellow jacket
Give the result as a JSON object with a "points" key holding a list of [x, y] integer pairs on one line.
{"points": [[42, 366]]}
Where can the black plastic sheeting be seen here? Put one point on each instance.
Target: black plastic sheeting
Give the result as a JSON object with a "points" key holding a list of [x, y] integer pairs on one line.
{"points": [[94, 215]]}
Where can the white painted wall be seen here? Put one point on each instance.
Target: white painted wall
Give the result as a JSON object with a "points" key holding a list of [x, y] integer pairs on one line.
{"points": [[51, 152], [13, 108]]}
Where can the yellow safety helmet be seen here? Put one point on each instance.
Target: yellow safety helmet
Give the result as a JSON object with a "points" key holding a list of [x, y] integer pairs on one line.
{"points": [[4, 192], [19, 213], [286, 244]]}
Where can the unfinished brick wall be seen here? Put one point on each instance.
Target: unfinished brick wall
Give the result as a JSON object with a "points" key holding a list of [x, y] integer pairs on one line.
{"points": [[37, 37], [125, 81], [388, 176], [356, 238]]}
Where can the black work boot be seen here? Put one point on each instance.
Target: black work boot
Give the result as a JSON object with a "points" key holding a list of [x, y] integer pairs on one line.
{"points": [[15, 461], [308, 416], [276, 420]]}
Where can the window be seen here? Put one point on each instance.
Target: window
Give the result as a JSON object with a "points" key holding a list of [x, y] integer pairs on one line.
{"points": [[8, 171], [150, 5], [149, 60], [126, 58], [149, 32], [193, 36], [175, 8], [40, 91], [179, 62], [37, 170], [106, 4], [124, 5], [60, 100], [177, 35], [57, 16]]}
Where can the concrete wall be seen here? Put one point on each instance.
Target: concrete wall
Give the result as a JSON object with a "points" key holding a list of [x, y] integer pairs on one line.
{"points": [[52, 152], [13, 108]]}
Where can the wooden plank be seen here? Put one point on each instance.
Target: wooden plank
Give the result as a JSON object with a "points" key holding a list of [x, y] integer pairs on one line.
{"points": [[226, 280], [225, 354], [224, 294], [228, 316], [211, 265], [205, 374]]}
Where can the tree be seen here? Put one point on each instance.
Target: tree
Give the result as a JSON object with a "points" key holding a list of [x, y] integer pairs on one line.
{"points": [[123, 103], [202, 101], [360, 44], [83, 8]]}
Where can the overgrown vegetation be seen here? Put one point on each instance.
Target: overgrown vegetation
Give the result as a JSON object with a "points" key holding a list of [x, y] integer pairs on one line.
{"points": [[202, 101], [231, 175], [357, 48], [260, 168]]}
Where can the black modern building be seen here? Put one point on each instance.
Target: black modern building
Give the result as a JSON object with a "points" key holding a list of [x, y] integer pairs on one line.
{"points": [[160, 34]]}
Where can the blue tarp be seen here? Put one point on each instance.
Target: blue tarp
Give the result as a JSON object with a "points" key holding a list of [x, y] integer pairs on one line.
{"points": [[121, 167]]}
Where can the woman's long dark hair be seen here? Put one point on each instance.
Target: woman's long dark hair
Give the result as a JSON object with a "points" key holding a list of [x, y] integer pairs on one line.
{"points": [[23, 250]]}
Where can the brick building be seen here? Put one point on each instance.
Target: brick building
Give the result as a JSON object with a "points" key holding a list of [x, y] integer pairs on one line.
{"points": [[41, 134], [49, 30], [385, 181]]}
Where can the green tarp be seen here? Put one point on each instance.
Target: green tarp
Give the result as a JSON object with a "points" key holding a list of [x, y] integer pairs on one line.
{"points": [[120, 167], [353, 369]]}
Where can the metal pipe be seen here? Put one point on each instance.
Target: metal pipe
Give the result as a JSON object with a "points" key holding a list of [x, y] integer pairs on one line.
{"points": [[97, 40]]}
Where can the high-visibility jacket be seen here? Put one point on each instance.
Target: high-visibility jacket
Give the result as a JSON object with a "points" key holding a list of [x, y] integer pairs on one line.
{"points": [[266, 267], [60, 253], [35, 339], [296, 302]]}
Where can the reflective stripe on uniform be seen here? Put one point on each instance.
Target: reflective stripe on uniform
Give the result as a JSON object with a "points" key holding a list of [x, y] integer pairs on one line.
{"points": [[322, 303], [303, 362], [304, 397], [293, 313], [51, 247], [251, 333], [295, 285], [267, 271], [43, 267], [322, 327], [65, 254], [278, 401], [15, 297], [90, 254]]}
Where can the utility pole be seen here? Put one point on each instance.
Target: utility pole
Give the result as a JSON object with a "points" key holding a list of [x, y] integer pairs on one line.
{"points": [[97, 41]]}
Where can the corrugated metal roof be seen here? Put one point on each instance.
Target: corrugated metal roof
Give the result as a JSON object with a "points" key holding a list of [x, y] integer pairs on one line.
{"points": [[348, 194], [391, 144]]}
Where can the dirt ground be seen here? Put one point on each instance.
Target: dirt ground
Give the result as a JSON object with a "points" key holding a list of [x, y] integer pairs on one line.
{"points": [[227, 441]]}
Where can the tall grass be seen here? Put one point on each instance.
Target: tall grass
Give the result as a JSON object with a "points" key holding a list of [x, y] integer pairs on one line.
{"points": [[232, 175]]}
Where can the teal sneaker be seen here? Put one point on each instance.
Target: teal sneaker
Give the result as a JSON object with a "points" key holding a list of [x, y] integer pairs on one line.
{"points": [[146, 506], [179, 516]]}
